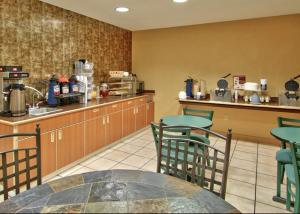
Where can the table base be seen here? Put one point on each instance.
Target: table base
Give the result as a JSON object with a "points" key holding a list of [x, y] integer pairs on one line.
{"points": [[281, 200]]}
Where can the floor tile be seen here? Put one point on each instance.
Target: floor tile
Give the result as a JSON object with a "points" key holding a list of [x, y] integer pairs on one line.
{"points": [[136, 161], [70, 171], [242, 175], [241, 189], [245, 156], [267, 152], [266, 169], [139, 142], [116, 155], [242, 204], [82, 170], [102, 164], [146, 138], [265, 195], [90, 160], [269, 181], [129, 148], [151, 146], [270, 147], [124, 166], [243, 164], [150, 166], [146, 152], [247, 143], [264, 208], [245, 148], [267, 160], [103, 153]]}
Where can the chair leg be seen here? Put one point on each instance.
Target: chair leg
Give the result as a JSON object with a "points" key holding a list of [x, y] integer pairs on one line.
{"points": [[297, 201], [288, 195], [279, 178]]}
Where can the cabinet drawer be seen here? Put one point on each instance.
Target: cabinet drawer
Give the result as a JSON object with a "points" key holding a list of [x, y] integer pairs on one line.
{"points": [[94, 113], [129, 104], [47, 125], [114, 108], [141, 101]]}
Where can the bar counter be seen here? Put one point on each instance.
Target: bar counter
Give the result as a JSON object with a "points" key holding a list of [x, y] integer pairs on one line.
{"points": [[249, 122]]}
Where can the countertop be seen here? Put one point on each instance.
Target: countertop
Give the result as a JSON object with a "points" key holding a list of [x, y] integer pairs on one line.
{"points": [[67, 109], [270, 106]]}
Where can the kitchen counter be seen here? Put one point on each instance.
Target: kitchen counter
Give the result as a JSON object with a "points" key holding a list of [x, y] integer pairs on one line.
{"points": [[11, 121], [241, 104]]}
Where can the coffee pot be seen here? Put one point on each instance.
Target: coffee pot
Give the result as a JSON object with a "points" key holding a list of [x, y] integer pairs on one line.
{"points": [[17, 104]]}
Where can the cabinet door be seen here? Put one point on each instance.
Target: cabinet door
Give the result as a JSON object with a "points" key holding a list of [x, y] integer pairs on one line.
{"points": [[114, 125], [48, 152], [94, 135], [70, 144], [128, 121], [141, 117], [150, 113]]}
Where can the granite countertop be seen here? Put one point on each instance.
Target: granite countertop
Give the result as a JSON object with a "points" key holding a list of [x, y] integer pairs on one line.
{"points": [[271, 105], [67, 109], [117, 191]]}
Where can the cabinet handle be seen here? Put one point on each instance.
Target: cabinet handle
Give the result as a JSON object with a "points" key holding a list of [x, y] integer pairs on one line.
{"points": [[134, 111], [60, 134], [95, 110], [137, 110], [115, 106], [147, 106], [103, 120], [52, 137], [107, 119]]}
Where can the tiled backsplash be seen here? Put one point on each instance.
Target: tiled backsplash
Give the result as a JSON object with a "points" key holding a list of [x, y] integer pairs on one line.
{"points": [[45, 39]]}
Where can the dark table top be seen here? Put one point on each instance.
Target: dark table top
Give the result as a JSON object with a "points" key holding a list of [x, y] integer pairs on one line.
{"points": [[287, 134], [117, 191], [187, 120]]}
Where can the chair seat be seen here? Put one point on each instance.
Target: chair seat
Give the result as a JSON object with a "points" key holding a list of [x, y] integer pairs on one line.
{"points": [[290, 173], [284, 156], [201, 138]]}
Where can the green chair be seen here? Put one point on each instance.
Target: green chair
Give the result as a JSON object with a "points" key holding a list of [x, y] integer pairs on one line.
{"points": [[200, 113], [182, 158], [283, 156], [293, 178]]}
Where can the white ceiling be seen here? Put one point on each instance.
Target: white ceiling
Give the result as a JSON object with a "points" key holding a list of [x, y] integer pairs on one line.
{"points": [[151, 14]]}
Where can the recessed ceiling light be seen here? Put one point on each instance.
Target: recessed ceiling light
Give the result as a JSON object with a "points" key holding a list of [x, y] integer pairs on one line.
{"points": [[122, 9], [180, 1]]}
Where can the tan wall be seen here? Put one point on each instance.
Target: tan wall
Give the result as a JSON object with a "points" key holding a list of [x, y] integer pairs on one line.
{"points": [[259, 48]]}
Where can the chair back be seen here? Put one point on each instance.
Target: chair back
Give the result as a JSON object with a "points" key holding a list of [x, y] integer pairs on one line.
{"points": [[13, 162], [199, 112], [288, 122], [169, 133], [178, 158]]}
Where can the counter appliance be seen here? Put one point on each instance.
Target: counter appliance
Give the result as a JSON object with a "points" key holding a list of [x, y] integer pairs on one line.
{"points": [[222, 92], [12, 91], [291, 95]]}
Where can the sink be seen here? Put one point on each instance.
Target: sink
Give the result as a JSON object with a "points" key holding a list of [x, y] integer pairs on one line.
{"points": [[42, 111]]}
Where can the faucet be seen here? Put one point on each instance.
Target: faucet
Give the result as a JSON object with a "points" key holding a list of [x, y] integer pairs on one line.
{"points": [[36, 92]]}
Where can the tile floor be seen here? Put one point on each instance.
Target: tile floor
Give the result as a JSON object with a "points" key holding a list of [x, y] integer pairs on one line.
{"points": [[252, 171]]}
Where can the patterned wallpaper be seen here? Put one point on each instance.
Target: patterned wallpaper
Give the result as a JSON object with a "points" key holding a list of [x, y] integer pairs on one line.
{"points": [[45, 39]]}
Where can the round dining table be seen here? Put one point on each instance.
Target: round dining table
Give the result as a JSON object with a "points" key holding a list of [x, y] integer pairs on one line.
{"points": [[117, 191], [287, 134], [187, 120]]}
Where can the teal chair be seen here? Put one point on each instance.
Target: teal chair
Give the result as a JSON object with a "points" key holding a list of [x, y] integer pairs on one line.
{"points": [[293, 178], [200, 113], [283, 156]]}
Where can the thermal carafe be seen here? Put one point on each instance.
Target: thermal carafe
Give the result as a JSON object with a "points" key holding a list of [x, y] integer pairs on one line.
{"points": [[17, 104]]}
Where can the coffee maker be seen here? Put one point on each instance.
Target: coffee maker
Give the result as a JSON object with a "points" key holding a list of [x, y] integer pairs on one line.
{"points": [[12, 91]]}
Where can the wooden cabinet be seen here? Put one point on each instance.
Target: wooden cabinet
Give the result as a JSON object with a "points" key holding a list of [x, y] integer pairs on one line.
{"points": [[114, 126], [128, 121], [150, 112], [48, 151], [70, 144], [141, 116], [94, 134]]}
